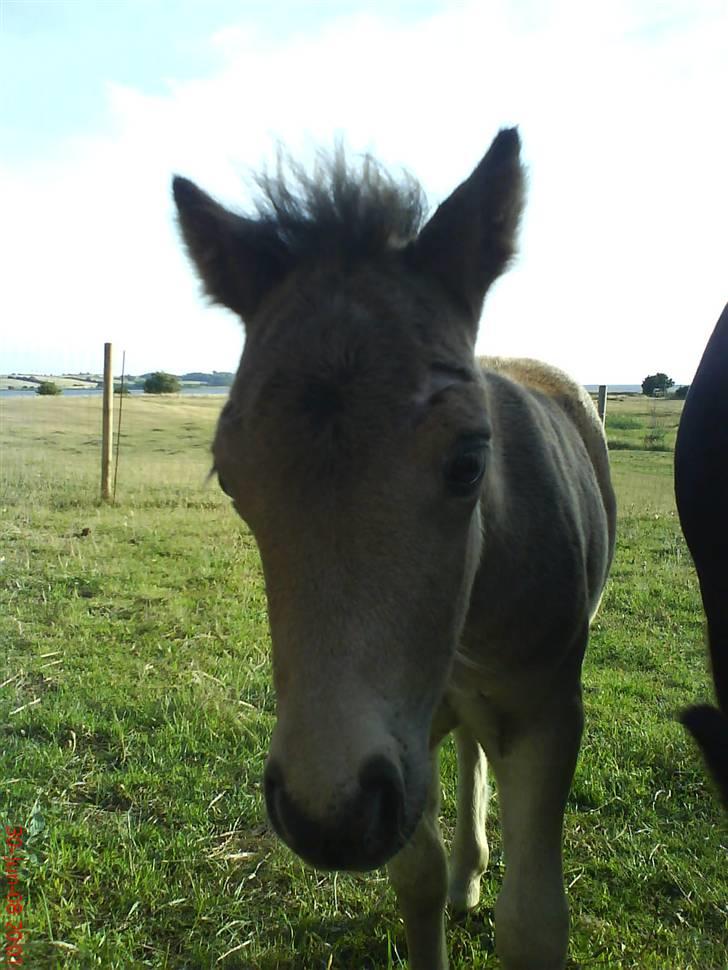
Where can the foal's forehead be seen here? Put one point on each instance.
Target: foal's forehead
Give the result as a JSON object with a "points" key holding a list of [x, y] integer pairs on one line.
{"points": [[342, 330], [336, 378], [343, 355]]}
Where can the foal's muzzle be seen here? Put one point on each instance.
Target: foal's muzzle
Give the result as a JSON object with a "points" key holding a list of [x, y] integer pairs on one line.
{"points": [[362, 833]]}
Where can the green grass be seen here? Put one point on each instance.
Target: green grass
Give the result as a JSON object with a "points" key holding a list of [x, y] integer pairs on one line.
{"points": [[636, 422], [136, 707]]}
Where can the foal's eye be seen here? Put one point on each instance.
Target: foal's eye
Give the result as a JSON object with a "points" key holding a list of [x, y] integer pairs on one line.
{"points": [[464, 469]]}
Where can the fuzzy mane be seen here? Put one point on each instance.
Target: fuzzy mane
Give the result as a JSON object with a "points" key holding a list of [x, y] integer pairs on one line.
{"points": [[355, 210]]}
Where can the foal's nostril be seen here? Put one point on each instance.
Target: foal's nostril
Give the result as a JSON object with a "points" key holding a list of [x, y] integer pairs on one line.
{"points": [[382, 799]]}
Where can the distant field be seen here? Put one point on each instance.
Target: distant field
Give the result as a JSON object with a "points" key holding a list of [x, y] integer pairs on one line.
{"points": [[51, 447], [136, 707]]}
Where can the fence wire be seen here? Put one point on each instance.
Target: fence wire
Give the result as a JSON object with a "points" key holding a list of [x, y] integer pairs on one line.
{"points": [[50, 448]]}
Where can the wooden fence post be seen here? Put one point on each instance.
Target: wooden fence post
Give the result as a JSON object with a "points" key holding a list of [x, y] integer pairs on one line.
{"points": [[602, 403], [106, 425]]}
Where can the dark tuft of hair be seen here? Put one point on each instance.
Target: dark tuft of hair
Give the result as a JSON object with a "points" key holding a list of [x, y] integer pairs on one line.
{"points": [[355, 210]]}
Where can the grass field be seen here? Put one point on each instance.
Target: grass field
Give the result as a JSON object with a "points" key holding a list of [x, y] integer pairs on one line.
{"points": [[136, 706]]}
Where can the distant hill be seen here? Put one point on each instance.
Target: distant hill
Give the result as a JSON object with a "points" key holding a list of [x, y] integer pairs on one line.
{"points": [[616, 388], [218, 378], [31, 381], [87, 381]]}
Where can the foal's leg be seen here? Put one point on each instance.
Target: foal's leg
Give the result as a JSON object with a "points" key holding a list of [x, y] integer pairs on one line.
{"points": [[533, 771], [469, 858], [419, 876]]}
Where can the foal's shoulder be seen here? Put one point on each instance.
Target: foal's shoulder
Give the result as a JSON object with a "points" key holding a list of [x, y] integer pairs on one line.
{"points": [[542, 379]]}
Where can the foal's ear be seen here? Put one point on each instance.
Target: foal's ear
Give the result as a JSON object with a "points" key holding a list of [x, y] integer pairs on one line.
{"points": [[239, 260], [470, 239]]}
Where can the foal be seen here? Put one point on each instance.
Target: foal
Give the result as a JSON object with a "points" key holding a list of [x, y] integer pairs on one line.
{"points": [[435, 533]]}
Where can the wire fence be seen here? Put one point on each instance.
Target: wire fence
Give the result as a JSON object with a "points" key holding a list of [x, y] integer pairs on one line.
{"points": [[50, 447]]}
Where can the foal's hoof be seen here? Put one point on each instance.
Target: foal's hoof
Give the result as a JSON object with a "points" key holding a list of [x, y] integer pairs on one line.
{"points": [[464, 897]]}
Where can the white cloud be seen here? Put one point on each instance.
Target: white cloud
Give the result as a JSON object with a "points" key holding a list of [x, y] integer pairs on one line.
{"points": [[623, 257]]}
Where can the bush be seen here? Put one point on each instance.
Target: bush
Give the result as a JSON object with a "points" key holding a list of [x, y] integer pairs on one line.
{"points": [[161, 383], [656, 382], [121, 389], [48, 388], [682, 392]]}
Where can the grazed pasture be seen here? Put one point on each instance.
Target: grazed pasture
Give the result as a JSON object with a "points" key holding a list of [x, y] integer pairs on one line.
{"points": [[136, 705]]}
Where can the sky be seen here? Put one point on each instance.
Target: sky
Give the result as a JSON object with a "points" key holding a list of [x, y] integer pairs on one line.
{"points": [[623, 259]]}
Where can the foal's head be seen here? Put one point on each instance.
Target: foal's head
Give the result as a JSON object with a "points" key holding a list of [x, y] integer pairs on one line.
{"points": [[355, 446]]}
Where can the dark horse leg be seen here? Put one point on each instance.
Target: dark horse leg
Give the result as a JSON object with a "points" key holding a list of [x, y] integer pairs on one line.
{"points": [[701, 491]]}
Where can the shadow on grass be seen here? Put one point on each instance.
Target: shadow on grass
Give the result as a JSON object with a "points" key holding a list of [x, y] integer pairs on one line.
{"points": [[328, 944]]}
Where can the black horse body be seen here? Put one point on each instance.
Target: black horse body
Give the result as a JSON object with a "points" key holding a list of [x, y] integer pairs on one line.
{"points": [[701, 491]]}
